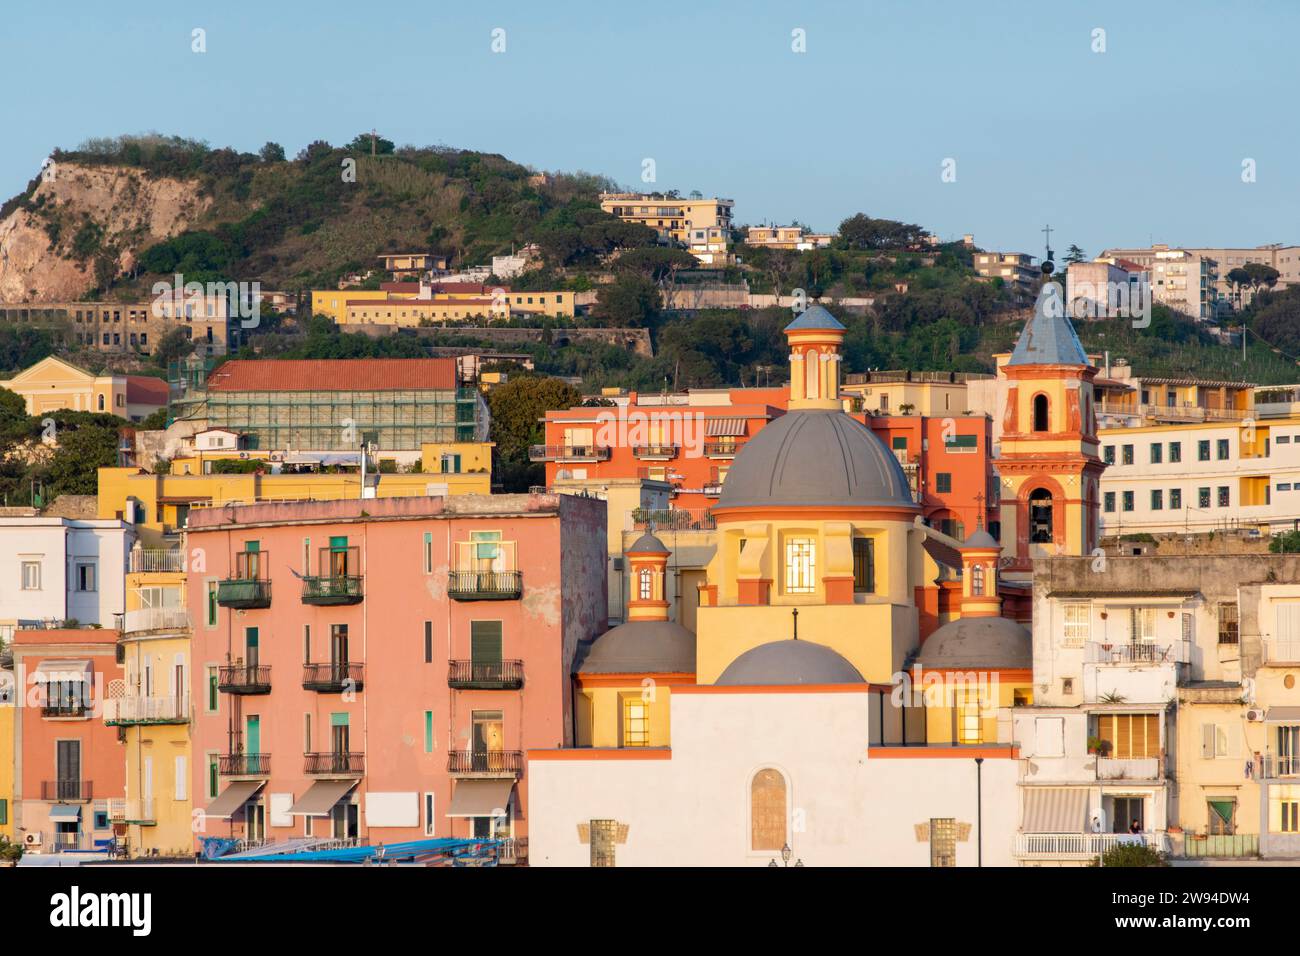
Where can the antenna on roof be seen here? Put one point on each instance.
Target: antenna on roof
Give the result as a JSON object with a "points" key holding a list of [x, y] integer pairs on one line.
{"points": [[794, 614]]}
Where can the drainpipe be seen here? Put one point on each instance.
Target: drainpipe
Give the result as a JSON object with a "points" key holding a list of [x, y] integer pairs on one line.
{"points": [[979, 811]]}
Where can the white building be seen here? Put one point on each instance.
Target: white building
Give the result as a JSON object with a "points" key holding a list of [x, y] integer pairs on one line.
{"points": [[1183, 279], [60, 569]]}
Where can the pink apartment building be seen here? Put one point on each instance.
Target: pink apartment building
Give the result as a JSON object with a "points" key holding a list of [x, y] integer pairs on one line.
{"points": [[68, 765], [373, 670]]}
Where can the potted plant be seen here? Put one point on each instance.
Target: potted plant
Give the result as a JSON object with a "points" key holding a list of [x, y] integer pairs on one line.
{"points": [[1098, 746]]}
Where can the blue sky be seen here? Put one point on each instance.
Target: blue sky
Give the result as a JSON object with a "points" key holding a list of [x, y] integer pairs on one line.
{"points": [[1142, 142]]}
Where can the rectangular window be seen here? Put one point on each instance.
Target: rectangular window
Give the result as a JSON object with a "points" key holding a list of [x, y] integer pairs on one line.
{"points": [[430, 821], [1108, 454], [31, 579], [4, 812], [1175, 498], [800, 566], [1108, 500], [1203, 497], [428, 642], [970, 728], [1131, 736], [1175, 452], [1157, 453], [213, 776], [1222, 449], [213, 697], [1290, 822], [636, 722], [306, 643], [943, 842], [1203, 450], [1128, 454], [85, 577], [1228, 632], [1157, 499], [1218, 740], [181, 788], [485, 644], [1128, 501], [428, 731], [1142, 624], [864, 566], [1078, 623], [1224, 496], [943, 482], [212, 604], [306, 733], [428, 552]]}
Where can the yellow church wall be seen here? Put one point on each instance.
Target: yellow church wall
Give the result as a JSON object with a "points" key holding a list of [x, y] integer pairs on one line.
{"points": [[874, 638], [602, 711], [941, 718]]}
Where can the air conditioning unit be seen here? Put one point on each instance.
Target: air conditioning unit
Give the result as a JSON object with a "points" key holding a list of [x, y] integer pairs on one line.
{"points": [[31, 839], [1255, 714], [243, 456]]}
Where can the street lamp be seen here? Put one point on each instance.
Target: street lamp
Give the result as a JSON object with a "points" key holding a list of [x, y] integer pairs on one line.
{"points": [[786, 853]]}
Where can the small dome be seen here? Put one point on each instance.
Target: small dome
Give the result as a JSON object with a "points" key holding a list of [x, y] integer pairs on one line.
{"points": [[789, 662], [641, 647], [981, 539], [647, 544], [979, 642], [815, 457], [817, 317]]}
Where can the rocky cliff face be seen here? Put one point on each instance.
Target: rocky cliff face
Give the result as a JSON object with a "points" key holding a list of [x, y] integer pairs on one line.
{"points": [[83, 220]]}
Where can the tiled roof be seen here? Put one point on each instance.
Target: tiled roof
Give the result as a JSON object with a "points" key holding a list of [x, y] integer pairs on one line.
{"points": [[1048, 337], [335, 375], [145, 390]]}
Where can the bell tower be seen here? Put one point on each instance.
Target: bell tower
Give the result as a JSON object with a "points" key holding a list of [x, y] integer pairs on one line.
{"points": [[815, 340], [1048, 463], [648, 561]]}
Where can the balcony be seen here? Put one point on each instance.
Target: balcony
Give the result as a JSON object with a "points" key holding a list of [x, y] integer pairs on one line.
{"points": [[568, 453], [489, 763], [673, 519], [74, 790], [244, 678], [1281, 651], [712, 489], [655, 452], [1137, 768], [332, 590], [156, 560], [1275, 766], [330, 678], [244, 765], [1231, 846], [156, 619], [1082, 846], [244, 593], [121, 810], [485, 585], [334, 764], [69, 709], [1142, 653], [493, 675], [713, 449], [127, 711]]}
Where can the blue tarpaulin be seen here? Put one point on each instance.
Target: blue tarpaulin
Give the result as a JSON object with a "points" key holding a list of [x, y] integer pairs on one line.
{"points": [[418, 851]]}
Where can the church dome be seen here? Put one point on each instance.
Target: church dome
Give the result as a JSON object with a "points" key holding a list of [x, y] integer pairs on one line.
{"points": [[979, 642], [647, 544], [789, 662], [641, 647], [818, 458]]}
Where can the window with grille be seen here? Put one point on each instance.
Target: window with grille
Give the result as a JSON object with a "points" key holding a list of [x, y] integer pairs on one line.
{"points": [[767, 810], [943, 841], [1131, 736], [977, 580], [800, 566], [604, 835], [864, 565], [1227, 623], [970, 728], [1142, 624], [1077, 624], [645, 589], [636, 722]]}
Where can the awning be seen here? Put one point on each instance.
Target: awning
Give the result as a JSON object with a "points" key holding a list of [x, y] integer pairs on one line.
{"points": [[1056, 810], [1283, 714], [480, 798], [232, 798], [724, 428], [62, 671], [65, 811], [323, 458], [320, 798], [1224, 809]]}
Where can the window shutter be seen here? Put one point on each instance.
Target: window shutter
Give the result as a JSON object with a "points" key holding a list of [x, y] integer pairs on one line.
{"points": [[1207, 740], [182, 779], [485, 642]]}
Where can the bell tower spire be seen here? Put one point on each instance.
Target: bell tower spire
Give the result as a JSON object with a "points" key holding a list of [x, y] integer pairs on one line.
{"points": [[815, 338]]}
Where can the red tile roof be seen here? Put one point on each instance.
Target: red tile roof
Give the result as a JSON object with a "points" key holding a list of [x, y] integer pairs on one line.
{"points": [[399, 287], [145, 390], [333, 375]]}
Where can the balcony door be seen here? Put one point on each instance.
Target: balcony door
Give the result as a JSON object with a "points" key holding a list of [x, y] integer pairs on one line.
{"points": [[488, 738], [485, 650], [488, 554], [1125, 811], [343, 820], [338, 557], [68, 769], [251, 642], [1288, 750], [339, 649], [339, 738], [253, 734]]}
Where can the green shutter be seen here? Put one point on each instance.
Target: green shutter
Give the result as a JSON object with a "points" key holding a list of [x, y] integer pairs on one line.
{"points": [[428, 731], [252, 546], [4, 812], [485, 642], [339, 543], [339, 720]]}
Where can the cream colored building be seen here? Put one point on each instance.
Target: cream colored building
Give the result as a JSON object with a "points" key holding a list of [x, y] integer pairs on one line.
{"points": [[1183, 279], [52, 384], [674, 218]]}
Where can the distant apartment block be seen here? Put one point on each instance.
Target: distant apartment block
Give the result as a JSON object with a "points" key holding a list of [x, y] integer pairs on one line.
{"points": [[1285, 259], [1016, 269], [672, 217], [412, 263], [1183, 279], [1106, 288], [128, 326], [785, 237]]}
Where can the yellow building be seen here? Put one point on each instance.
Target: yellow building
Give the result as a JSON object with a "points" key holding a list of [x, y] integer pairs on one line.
{"points": [[786, 237], [152, 710], [438, 305], [934, 394], [672, 217], [1048, 460], [8, 701], [52, 384]]}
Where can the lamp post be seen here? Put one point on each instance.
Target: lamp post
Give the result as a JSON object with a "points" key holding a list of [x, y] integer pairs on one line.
{"points": [[786, 853], [979, 811]]}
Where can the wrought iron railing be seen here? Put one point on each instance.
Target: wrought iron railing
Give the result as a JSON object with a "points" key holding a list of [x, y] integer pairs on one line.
{"points": [[485, 761], [479, 585], [340, 763], [244, 765], [67, 790], [244, 678], [489, 675], [333, 676]]}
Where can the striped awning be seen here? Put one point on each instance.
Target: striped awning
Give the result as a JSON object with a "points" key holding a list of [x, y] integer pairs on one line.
{"points": [[724, 428], [55, 671], [232, 798], [1056, 810]]}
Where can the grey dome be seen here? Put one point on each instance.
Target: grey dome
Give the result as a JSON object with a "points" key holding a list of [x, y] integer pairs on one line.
{"points": [[815, 457], [641, 647], [647, 544], [789, 662], [816, 317], [988, 642], [981, 539]]}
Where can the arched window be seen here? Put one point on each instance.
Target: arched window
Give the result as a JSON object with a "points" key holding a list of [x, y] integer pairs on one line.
{"points": [[767, 810], [1040, 517], [645, 587], [101, 403], [977, 579], [1040, 413], [812, 369]]}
